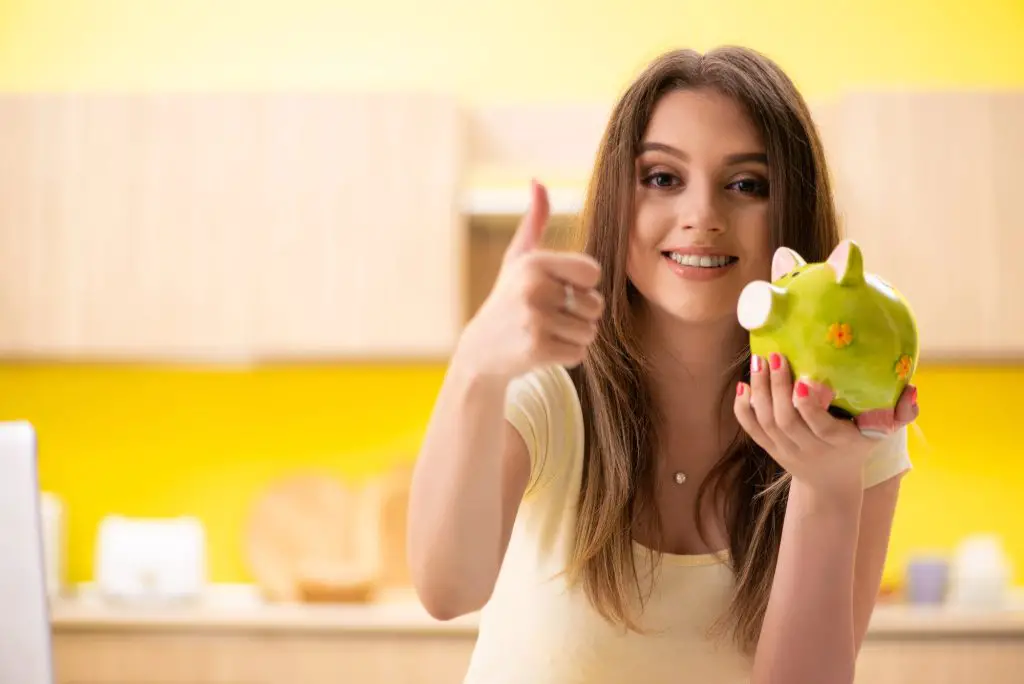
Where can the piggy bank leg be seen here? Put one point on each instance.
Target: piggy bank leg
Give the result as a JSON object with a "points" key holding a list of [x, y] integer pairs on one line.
{"points": [[877, 423]]}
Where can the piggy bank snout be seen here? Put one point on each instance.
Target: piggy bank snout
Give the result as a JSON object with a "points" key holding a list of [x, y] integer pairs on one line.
{"points": [[758, 302]]}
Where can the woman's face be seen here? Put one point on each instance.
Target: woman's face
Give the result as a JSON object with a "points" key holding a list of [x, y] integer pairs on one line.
{"points": [[701, 231]]}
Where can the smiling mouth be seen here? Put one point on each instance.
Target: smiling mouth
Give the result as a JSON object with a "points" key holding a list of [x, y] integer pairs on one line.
{"points": [[701, 260]]}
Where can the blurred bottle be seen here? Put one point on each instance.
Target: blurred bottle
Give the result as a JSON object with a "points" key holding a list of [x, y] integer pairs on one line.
{"points": [[51, 511]]}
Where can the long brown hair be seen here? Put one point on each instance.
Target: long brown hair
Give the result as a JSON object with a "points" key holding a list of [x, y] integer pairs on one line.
{"points": [[619, 414]]}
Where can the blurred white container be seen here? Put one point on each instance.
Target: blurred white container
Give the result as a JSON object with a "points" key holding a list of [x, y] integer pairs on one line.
{"points": [[51, 513], [151, 560], [981, 573]]}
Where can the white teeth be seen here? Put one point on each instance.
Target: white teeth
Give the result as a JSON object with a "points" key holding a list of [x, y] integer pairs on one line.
{"points": [[700, 261]]}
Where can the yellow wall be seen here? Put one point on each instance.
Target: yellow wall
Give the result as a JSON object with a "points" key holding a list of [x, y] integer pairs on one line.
{"points": [[153, 441], [494, 50], [163, 441], [167, 441]]}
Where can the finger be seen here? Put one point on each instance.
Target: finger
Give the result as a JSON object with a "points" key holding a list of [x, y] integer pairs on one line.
{"points": [[819, 422], [587, 305], [531, 227], [747, 420], [577, 269], [822, 393], [546, 294], [787, 418], [761, 393], [569, 328], [762, 404], [906, 407]]}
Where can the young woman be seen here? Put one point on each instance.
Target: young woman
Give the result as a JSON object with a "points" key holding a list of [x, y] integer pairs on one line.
{"points": [[608, 474]]}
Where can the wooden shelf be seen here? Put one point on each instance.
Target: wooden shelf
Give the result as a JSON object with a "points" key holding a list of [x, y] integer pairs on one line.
{"points": [[481, 202]]}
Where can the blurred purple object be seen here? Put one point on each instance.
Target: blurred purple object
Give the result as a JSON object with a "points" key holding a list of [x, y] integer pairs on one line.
{"points": [[927, 580]]}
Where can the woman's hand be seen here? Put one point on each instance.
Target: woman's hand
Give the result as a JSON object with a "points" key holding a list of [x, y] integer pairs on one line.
{"points": [[543, 309], [792, 423]]}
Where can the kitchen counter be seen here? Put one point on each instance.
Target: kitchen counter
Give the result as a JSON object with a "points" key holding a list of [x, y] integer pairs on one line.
{"points": [[896, 620], [239, 608], [232, 635]]}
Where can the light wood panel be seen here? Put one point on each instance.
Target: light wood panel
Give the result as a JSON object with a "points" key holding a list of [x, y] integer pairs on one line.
{"points": [[922, 187], [230, 226], [279, 657], [1008, 214], [223, 226], [389, 281], [195, 657], [963, 660]]}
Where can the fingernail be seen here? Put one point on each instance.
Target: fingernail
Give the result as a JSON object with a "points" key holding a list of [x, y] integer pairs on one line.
{"points": [[755, 364], [739, 389], [913, 396], [776, 361], [802, 390]]}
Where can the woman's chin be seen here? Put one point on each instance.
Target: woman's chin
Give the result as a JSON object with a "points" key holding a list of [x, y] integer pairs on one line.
{"points": [[698, 310]]}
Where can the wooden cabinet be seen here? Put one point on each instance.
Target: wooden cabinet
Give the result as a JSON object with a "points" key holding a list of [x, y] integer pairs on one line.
{"points": [[229, 226], [235, 226], [240, 657], [295, 656], [925, 182], [964, 659]]}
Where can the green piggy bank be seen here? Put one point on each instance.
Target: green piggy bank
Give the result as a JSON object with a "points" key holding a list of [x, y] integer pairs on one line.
{"points": [[836, 325]]}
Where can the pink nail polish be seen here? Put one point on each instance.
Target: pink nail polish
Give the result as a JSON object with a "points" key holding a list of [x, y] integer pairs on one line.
{"points": [[739, 389], [776, 361], [756, 364], [913, 396], [802, 390]]}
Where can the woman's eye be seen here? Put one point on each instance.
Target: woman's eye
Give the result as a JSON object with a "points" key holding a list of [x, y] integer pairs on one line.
{"points": [[660, 180], [751, 186]]}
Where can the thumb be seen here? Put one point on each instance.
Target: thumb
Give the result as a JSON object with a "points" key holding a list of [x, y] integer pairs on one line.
{"points": [[906, 407], [531, 227]]}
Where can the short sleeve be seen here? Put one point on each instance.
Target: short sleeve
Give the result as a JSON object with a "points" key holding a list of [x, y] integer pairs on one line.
{"points": [[889, 458], [543, 407]]}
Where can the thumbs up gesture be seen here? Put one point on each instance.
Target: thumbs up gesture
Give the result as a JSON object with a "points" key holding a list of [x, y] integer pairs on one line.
{"points": [[543, 308]]}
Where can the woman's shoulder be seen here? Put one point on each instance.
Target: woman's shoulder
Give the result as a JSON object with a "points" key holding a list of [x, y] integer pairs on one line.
{"points": [[549, 381], [544, 407]]}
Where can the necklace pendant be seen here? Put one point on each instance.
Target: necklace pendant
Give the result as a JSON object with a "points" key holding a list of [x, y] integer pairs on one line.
{"points": [[680, 477]]}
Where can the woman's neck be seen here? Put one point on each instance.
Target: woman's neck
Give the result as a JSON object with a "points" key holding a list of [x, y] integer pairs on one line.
{"points": [[691, 364], [693, 367]]}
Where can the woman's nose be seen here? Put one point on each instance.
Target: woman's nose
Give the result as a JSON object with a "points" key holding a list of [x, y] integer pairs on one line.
{"points": [[698, 209]]}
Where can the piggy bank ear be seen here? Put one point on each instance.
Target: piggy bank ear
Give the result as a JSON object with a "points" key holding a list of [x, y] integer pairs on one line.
{"points": [[848, 263], [784, 261]]}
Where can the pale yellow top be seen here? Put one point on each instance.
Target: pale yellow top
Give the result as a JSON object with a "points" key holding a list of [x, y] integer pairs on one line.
{"points": [[538, 630]]}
